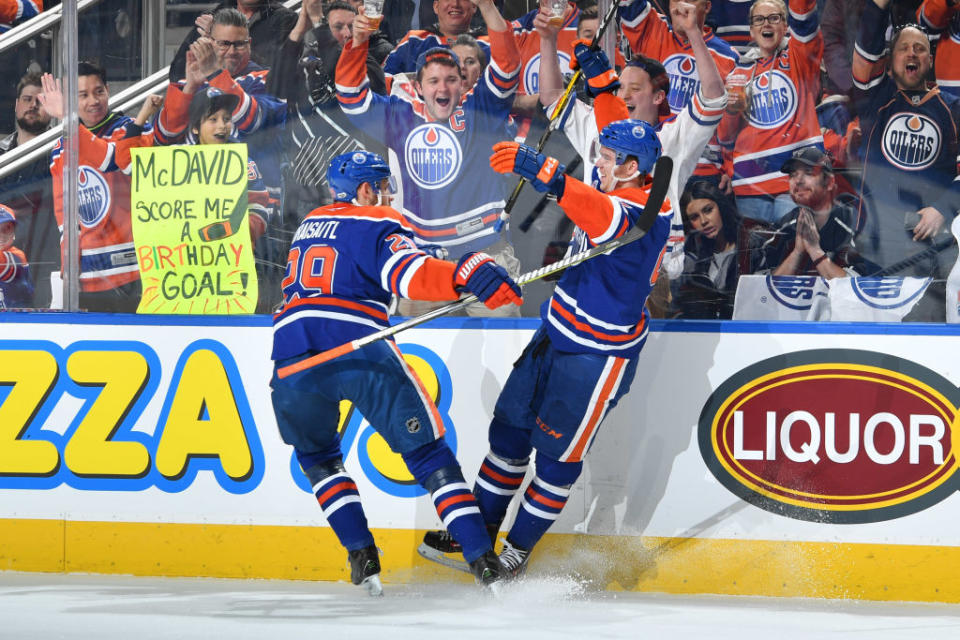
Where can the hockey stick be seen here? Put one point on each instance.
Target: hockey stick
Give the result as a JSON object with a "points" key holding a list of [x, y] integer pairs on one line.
{"points": [[658, 192], [562, 104]]}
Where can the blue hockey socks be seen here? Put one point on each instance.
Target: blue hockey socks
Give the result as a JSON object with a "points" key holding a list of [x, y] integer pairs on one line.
{"points": [[543, 501], [436, 469], [339, 499], [498, 481]]}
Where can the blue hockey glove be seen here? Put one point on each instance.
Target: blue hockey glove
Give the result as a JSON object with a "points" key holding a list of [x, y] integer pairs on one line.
{"points": [[480, 275], [543, 172], [596, 67]]}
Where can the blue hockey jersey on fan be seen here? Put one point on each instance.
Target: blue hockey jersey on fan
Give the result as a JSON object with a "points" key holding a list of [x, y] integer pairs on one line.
{"points": [[451, 196], [909, 147], [345, 262], [598, 305]]}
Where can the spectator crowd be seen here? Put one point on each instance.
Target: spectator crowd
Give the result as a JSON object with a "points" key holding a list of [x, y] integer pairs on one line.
{"points": [[809, 137]]}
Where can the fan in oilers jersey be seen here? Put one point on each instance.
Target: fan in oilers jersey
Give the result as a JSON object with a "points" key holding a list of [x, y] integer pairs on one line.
{"points": [[16, 11], [909, 150], [16, 290], [582, 359], [772, 105], [345, 262], [650, 34], [451, 198]]}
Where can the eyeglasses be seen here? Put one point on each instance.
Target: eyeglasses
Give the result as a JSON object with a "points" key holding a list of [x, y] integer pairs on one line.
{"points": [[773, 18], [236, 44]]}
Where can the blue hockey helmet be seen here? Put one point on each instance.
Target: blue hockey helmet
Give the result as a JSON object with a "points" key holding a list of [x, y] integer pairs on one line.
{"points": [[635, 138], [349, 170]]}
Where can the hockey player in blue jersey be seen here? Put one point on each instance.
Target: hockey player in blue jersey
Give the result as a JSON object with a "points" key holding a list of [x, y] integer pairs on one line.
{"points": [[583, 357], [345, 262]]}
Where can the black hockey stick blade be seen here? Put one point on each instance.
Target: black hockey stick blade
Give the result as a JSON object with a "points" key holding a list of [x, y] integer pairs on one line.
{"points": [[441, 558], [658, 193]]}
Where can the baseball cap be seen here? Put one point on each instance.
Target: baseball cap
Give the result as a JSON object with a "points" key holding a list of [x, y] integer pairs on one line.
{"points": [[810, 156], [6, 214], [658, 78], [434, 54], [210, 100]]}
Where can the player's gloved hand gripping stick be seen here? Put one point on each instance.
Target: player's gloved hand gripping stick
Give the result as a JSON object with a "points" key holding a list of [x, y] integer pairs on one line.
{"points": [[658, 192], [562, 103]]}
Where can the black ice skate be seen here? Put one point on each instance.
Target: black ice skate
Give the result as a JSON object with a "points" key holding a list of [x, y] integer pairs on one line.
{"points": [[365, 569], [514, 560], [438, 545], [487, 570]]}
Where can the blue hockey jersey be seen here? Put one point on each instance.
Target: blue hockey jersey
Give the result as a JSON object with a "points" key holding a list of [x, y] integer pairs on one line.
{"points": [[451, 196], [345, 262], [598, 305]]}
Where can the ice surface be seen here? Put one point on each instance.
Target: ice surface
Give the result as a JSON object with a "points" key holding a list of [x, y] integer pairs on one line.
{"points": [[50, 606]]}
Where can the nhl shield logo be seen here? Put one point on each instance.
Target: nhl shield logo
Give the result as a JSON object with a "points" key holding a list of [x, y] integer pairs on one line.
{"points": [[773, 100], [433, 156], [684, 80], [911, 141], [93, 196]]}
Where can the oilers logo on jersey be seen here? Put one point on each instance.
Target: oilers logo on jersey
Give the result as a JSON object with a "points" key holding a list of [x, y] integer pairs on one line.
{"points": [[433, 156], [93, 196], [684, 80], [911, 141], [531, 71], [773, 100], [793, 292], [888, 293]]}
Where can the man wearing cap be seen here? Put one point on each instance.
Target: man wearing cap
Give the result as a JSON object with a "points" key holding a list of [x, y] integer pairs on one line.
{"points": [[451, 196], [644, 86], [817, 237], [16, 290]]}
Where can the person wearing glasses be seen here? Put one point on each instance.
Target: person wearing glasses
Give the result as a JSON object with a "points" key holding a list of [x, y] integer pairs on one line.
{"points": [[772, 106], [269, 23], [222, 60]]}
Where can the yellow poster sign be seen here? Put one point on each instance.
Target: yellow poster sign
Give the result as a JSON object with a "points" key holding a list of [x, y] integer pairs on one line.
{"points": [[191, 229]]}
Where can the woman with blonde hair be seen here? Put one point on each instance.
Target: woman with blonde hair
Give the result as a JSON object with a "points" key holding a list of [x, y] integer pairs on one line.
{"points": [[772, 105]]}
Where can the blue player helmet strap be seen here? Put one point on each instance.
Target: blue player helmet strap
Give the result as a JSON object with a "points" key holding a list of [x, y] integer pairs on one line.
{"points": [[349, 170], [633, 138]]}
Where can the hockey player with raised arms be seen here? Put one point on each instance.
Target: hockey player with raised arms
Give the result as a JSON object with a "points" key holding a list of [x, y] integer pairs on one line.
{"points": [[582, 359], [345, 262]]}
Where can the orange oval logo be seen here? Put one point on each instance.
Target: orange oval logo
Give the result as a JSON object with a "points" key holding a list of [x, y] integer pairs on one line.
{"points": [[834, 435]]}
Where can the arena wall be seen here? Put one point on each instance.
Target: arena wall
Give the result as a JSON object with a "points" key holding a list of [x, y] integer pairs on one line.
{"points": [[781, 459]]}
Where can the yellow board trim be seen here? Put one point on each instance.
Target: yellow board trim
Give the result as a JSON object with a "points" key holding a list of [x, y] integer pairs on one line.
{"points": [[664, 565]]}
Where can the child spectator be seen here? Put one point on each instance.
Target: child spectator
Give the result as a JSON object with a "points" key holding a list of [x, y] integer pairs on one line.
{"points": [[16, 291]]}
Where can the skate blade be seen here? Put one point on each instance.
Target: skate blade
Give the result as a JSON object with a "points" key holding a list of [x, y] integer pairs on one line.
{"points": [[441, 558], [373, 585]]}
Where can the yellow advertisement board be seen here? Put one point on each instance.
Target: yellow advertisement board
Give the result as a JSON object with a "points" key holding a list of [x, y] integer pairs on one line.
{"points": [[191, 229]]}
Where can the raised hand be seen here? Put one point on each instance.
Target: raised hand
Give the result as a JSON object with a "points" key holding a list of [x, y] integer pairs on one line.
{"points": [[195, 76], [206, 56], [480, 275], [596, 67], [683, 16], [543, 172], [204, 24], [150, 106], [52, 97]]}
